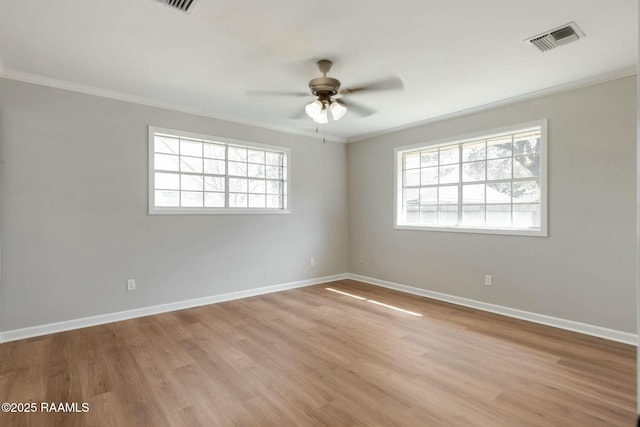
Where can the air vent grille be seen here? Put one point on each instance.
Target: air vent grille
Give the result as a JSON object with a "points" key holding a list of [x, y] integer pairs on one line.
{"points": [[181, 5], [556, 37]]}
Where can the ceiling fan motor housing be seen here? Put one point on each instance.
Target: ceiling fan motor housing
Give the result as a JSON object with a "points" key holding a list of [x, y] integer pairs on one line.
{"points": [[324, 86]]}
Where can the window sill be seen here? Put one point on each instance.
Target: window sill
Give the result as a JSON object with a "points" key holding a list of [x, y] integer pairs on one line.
{"points": [[217, 211], [500, 231]]}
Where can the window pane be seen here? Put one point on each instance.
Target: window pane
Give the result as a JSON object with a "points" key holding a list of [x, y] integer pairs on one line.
{"points": [[166, 162], [237, 154], [191, 164], [499, 169], [167, 181], [214, 200], [411, 214], [191, 182], [526, 166], [257, 201], [411, 160], [206, 173], [257, 186], [499, 215], [449, 174], [448, 195], [526, 216], [274, 187], [237, 169], [526, 143], [256, 171], [474, 171], [410, 196], [190, 148], [498, 192], [163, 144], [214, 151], [238, 185], [214, 167], [499, 147], [483, 183], [473, 215], [428, 214], [473, 194], [411, 177], [447, 215], [167, 198], [526, 192], [429, 158], [429, 196], [428, 176], [274, 202], [274, 159], [237, 200], [472, 151], [214, 183], [256, 156], [191, 199], [449, 155], [274, 172]]}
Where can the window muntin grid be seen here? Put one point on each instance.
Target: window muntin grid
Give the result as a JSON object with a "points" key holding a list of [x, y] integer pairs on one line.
{"points": [[486, 183], [205, 174]]}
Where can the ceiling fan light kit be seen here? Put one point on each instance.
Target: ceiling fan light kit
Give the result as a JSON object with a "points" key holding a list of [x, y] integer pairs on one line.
{"points": [[329, 96], [337, 110]]}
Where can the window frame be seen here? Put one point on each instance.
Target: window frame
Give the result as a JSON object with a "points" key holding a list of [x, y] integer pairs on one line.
{"points": [[181, 210], [398, 187]]}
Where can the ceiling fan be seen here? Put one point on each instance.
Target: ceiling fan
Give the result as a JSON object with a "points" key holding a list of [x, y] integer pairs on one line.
{"points": [[330, 98]]}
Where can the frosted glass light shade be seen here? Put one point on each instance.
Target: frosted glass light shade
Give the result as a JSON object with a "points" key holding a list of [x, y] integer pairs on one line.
{"points": [[313, 109], [322, 116], [337, 110]]}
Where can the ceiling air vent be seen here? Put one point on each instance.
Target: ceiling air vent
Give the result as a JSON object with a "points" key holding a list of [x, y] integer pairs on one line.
{"points": [[557, 37], [181, 5]]}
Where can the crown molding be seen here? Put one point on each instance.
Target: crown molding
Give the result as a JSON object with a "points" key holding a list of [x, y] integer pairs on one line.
{"points": [[150, 102], [565, 87]]}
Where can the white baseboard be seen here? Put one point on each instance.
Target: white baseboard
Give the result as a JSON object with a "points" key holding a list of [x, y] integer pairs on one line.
{"points": [[34, 331], [584, 328]]}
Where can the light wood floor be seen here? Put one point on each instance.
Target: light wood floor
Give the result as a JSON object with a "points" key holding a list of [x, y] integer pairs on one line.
{"points": [[313, 357]]}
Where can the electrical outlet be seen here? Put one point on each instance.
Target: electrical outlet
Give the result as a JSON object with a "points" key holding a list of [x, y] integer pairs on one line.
{"points": [[131, 284], [312, 262], [361, 259], [488, 280]]}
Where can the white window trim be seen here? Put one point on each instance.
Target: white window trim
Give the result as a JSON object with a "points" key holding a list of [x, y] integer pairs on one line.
{"points": [[155, 210], [397, 188]]}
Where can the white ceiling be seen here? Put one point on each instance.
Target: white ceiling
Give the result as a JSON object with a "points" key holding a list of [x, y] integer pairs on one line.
{"points": [[451, 55]]}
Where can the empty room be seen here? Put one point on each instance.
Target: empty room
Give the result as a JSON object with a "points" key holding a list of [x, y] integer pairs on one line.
{"points": [[336, 213]]}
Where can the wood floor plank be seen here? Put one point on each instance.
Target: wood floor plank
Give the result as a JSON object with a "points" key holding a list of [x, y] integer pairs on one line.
{"points": [[317, 357]]}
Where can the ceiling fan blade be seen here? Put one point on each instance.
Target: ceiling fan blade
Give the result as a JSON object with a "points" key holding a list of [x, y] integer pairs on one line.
{"points": [[275, 93], [299, 114], [390, 83], [356, 108]]}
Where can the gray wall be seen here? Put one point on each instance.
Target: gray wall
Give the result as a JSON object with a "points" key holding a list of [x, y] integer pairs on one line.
{"points": [[584, 271], [75, 223]]}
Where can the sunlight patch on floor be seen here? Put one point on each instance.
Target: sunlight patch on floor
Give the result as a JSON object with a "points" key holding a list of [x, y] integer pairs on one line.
{"points": [[413, 313]]}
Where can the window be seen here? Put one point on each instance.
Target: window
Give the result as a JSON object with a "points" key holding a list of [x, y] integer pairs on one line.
{"points": [[493, 183], [198, 174]]}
